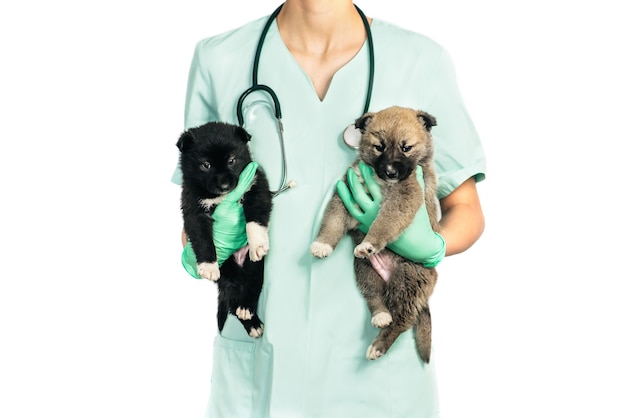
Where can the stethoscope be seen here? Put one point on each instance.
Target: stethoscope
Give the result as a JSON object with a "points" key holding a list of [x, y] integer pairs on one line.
{"points": [[351, 134]]}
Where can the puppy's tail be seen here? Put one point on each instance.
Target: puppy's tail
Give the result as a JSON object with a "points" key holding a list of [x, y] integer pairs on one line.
{"points": [[423, 334]]}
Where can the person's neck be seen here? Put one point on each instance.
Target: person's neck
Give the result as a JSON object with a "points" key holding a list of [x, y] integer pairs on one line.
{"points": [[319, 26], [322, 36]]}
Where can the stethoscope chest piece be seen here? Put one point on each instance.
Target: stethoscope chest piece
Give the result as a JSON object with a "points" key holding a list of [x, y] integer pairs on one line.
{"points": [[352, 136]]}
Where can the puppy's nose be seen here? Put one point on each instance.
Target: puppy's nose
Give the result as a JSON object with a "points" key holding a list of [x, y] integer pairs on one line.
{"points": [[225, 187], [391, 172]]}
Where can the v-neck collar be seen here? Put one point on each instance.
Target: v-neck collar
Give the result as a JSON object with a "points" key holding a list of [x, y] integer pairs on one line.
{"points": [[344, 69]]}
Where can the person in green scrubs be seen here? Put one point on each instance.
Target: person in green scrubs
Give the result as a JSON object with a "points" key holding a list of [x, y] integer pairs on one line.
{"points": [[310, 361]]}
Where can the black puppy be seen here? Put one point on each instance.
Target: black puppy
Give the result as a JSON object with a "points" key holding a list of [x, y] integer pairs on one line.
{"points": [[212, 157]]}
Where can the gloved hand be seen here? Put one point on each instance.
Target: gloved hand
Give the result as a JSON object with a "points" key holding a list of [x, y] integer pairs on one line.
{"points": [[229, 224], [418, 243]]}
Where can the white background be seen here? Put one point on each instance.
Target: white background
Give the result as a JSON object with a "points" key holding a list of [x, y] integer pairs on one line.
{"points": [[97, 317]]}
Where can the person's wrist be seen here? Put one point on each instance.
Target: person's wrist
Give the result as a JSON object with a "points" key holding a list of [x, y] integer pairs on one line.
{"points": [[426, 247], [435, 259]]}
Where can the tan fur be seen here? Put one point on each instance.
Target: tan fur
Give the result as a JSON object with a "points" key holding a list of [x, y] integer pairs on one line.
{"points": [[387, 137]]}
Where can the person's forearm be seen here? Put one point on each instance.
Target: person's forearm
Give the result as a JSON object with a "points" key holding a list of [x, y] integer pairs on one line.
{"points": [[461, 226]]}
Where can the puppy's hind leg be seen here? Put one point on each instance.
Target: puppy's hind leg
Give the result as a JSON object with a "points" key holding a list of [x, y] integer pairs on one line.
{"points": [[254, 326], [222, 313], [225, 291], [372, 287], [250, 284], [386, 337], [248, 298], [400, 297]]}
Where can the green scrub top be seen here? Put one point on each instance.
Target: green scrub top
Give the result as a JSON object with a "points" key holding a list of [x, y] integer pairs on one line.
{"points": [[310, 361]]}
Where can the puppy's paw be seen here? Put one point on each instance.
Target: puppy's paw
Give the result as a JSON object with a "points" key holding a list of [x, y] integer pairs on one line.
{"points": [[243, 313], [364, 250], [320, 250], [374, 352], [381, 319], [209, 271], [258, 240], [256, 332]]}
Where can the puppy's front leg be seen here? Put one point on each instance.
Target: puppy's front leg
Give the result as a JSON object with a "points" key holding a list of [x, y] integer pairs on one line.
{"points": [[257, 207], [395, 215], [200, 232], [258, 240], [335, 225], [198, 225], [209, 271]]}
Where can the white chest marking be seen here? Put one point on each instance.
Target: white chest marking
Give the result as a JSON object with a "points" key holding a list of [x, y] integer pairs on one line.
{"points": [[209, 203]]}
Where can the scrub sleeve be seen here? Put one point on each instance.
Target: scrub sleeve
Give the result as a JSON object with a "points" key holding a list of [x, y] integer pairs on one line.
{"points": [[310, 361]]}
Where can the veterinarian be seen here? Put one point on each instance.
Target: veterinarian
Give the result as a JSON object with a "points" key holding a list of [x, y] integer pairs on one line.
{"points": [[325, 69]]}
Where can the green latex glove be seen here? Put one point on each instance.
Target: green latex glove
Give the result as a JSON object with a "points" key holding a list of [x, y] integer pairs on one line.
{"points": [[229, 224], [419, 243]]}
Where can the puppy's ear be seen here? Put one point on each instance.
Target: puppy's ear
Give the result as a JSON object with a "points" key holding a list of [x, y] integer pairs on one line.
{"points": [[363, 121], [184, 141], [243, 134], [427, 119]]}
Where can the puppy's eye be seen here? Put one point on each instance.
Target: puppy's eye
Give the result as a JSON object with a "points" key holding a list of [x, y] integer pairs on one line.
{"points": [[406, 148], [232, 161], [380, 148], [206, 165]]}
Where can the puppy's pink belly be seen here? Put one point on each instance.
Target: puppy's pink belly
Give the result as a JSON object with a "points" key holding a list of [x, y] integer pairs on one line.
{"points": [[383, 265], [240, 255]]}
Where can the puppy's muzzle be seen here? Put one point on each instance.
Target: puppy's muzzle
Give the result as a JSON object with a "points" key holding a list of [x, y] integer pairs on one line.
{"points": [[390, 172], [224, 184], [225, 187]]}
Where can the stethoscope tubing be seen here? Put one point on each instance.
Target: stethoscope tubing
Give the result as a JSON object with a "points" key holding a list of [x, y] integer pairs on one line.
{"points": [[284, 185]]}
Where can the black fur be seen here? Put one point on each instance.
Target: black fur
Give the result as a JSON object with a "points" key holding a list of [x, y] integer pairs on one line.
{"points": [[212, 157]]}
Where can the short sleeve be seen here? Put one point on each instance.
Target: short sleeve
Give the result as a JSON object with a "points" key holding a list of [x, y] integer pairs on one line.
{"points": [[459, 154]]}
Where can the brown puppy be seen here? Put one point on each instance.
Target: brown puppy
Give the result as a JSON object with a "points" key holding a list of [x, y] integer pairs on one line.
{"points": [[394, 142]]}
